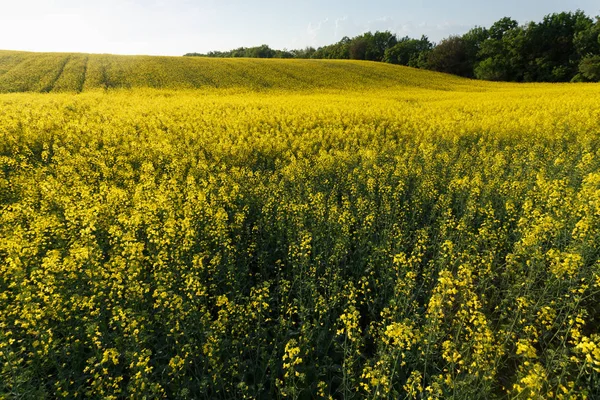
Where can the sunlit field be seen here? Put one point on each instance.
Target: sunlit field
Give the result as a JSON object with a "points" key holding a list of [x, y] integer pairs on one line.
{"points": [[225, 229]]}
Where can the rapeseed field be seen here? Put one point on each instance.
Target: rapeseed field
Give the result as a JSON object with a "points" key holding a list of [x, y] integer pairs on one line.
{"points": [[227, 229]]}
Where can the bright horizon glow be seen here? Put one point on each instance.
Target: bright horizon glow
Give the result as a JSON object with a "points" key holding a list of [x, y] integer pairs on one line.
{"points": [[176, 27]]}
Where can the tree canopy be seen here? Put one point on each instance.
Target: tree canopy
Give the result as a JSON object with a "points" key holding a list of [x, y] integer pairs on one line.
{"points": [[562, 47]]}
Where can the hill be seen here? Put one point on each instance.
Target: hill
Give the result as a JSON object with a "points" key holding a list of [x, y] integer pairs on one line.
{"points": [[72, 72], [321, 229]]}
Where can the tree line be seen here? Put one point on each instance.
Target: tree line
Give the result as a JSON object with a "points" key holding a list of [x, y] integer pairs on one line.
{"points": [[562, 47]]}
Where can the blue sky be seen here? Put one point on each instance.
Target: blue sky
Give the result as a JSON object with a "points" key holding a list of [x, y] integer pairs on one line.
{"points": [[176, 27]]}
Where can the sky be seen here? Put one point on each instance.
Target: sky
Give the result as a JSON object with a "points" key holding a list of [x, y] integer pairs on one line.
{"points": [[176, 27]]}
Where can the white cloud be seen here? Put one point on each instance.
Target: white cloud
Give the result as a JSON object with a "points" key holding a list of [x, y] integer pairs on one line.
{"points": [[315, 31], [343, 27], [331, 30]]}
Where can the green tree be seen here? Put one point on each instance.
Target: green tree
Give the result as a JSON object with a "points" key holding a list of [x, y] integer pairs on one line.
{"points": [[587, 37], [371, 46], [559, 48], [339, 50], [474, 40], [500, 56], [589, 68], [263, 51], [380, 42], [493, 69], [501, 27], [499, 51], [307, 52], [409, 52], [450, 56], [552, 53], [358, 48]]}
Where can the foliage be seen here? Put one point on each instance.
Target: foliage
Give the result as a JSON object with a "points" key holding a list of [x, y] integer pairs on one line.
{"points": [[410, 52], [263, 51], [450, 56], [553, 56], [549, 51], [430, 237], [339, 50], [590, 68]]}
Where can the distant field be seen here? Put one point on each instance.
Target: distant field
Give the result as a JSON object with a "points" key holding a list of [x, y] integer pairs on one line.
{"points": [[195, 228], [56, 72]]}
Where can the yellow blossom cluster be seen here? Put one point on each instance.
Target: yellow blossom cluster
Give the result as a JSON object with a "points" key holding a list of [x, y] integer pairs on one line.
{"points": [[198, 228]]}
